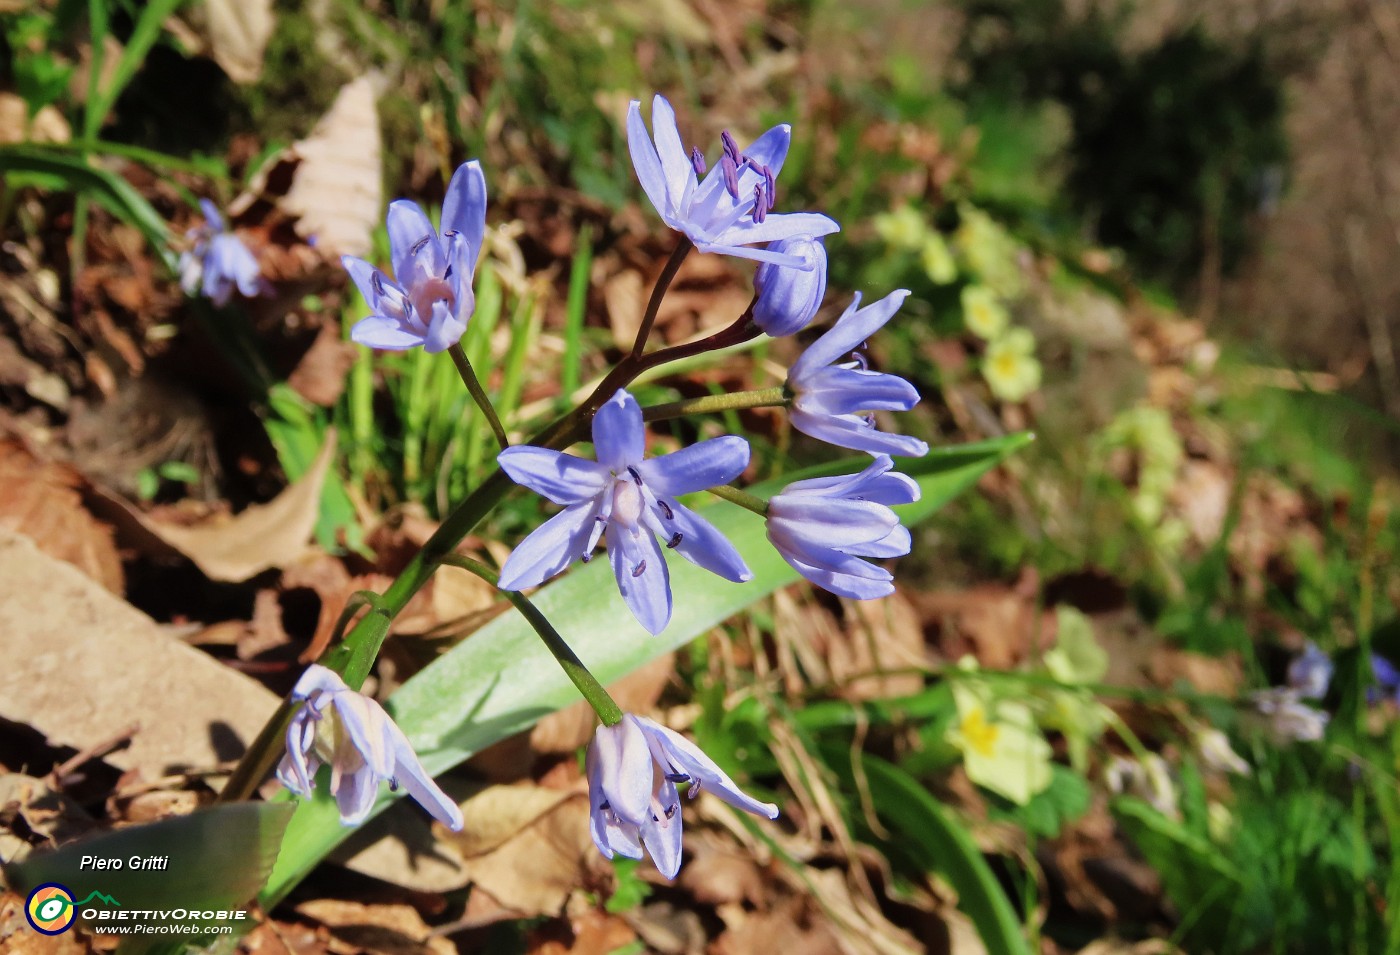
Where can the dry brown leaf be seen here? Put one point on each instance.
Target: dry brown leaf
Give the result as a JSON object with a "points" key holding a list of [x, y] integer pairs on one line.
{"points": [[535, 871], [258, 538], [238, 31], [566, 730], [717, 872], [385, 929], [81, 665], [336, 189], [790, 927], [39, 500], [595, 933], [499, 813], [881, 636], [320, 375]]}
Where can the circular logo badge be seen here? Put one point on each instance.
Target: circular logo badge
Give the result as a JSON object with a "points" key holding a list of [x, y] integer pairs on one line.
{"points": [[50, 909]]}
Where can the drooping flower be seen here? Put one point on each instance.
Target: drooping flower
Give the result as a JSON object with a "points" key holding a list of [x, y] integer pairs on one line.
{"points": [[983, 313], [834, 401], [337, 725], [633, 769], [825, 526], [1310, 673], [788, 298], [1287, 718], [729, 211], [1010, 366], [634, 499], [219, 262], [430, 299]]}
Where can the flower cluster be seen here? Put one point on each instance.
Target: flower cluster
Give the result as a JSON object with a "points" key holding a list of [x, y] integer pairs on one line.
{"points": [[829, 528]]}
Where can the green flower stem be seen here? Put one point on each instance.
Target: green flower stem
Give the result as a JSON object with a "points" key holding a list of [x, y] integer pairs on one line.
{"points": [[594, 692], [673, 265], [710, 404], [464, 368], [744, 499]]}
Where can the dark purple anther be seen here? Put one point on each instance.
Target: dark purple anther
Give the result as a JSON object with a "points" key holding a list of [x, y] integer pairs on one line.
{"points": [[674, 541], [770, 186], [697, 160], [731, 148], [760, 208], [665, 509], [639, 569], [730, 170]]}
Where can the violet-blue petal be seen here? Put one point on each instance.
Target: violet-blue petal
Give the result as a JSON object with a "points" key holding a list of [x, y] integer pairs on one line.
{"points": [[675, 164], [670, 747], [362, 274], [410, 774], [610, 834], [700, 542], [645, 159], [625, 769], [838, 522], [619, 437], [385, 334], [696, 467], [840, 583], [355, 794], [854, 326], [836, 391], [563, 478], [550, 547], [851, 431], [444, 329], [643, 578], [408, 225], [662, 833], [212, 217], [777, 226], [464, 209]]}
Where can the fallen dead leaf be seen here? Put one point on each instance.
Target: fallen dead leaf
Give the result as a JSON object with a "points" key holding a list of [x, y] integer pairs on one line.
{"points": [[48, 814], [63, 640], [238, 31], [336, 188], [320, 375], [718, 872], [258, 538], [535, 871], [385, 929], [39, 499], [594, 933]]}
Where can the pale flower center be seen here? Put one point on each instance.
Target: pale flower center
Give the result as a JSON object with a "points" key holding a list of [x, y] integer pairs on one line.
{"points": [[428, 290], [627, 502]]}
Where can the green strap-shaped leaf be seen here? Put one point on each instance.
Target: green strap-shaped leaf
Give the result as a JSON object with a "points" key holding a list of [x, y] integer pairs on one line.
{"points": [[501, 680]]}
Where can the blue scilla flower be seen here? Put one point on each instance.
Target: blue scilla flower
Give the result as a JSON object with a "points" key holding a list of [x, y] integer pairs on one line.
{"points": [[835, 401], [1387, 680], [429, 299], [219, 262], [634, 499], [729, 210], [824, 526], [633, 769], [788, 298], [351, 732]]}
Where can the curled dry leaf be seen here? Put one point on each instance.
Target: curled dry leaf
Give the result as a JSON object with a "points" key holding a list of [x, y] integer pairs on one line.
{"points": [[260, 537], [393, 929], [336, 188]]}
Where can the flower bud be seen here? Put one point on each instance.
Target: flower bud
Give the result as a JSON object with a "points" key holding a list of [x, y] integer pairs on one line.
{"points": [[788, 298]]}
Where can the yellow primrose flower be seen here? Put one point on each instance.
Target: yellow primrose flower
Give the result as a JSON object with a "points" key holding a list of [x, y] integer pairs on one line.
{"points": [[903, 228], [1010, 366], [989, 251], [937, 259], [983, 313], [1002, 749]]}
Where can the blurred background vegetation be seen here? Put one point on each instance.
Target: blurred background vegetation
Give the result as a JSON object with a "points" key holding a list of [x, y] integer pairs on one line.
{"points": [[1165, 237]]}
